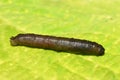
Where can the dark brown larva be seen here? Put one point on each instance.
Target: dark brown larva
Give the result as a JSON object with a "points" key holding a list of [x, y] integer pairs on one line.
{"points": [[72, 45]]}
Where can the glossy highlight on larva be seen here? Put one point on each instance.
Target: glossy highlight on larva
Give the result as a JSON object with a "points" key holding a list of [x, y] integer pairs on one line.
{"points": [[59, 44]]}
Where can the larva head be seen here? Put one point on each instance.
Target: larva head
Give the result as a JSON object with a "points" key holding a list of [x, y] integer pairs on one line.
{"points": [[99, 50]]}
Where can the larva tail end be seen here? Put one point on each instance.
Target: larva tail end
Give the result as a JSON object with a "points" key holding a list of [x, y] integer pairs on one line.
{"points": [[12, 41]]}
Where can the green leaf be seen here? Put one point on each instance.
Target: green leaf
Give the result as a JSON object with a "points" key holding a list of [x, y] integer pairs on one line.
{"points": [[95, 20]]}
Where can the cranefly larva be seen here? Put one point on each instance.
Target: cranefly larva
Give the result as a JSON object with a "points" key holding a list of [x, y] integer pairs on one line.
{"points": [[72, 45]]}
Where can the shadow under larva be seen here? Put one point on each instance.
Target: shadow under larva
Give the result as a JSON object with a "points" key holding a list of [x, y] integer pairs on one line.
{"points": [[59, 44]]}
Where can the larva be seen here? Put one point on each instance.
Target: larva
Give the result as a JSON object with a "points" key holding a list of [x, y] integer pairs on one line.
{"points": [[71, 45]]}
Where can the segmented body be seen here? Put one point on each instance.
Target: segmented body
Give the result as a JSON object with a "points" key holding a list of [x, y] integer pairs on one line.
{"points": [[77, 46]]}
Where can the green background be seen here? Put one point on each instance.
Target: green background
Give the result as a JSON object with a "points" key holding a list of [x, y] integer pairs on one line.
{"points": [[95, 20]]}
